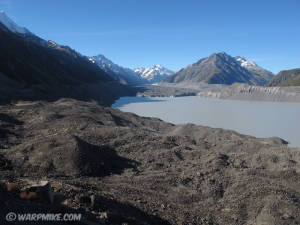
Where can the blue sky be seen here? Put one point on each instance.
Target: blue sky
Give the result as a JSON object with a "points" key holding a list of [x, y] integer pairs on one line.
{"points": [[174, 33]]}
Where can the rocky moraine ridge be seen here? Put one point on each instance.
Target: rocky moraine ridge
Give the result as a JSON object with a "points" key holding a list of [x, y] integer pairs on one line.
{"points": [[254, 93]]}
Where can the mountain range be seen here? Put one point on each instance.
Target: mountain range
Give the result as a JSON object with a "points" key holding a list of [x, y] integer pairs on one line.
{"points": [[66, 156], [221, 68], [154, 74], [32, 68], [128, 76], [121, 74]]}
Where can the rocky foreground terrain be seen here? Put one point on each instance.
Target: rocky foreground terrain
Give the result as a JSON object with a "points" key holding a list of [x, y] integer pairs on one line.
{"points": [[118, 168]]}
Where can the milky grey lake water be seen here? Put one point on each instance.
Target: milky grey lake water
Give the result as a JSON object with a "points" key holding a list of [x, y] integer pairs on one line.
{"points": [[259, 119]]}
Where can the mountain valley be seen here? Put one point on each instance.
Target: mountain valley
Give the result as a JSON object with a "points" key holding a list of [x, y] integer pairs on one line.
{"points": [[57, 127]]}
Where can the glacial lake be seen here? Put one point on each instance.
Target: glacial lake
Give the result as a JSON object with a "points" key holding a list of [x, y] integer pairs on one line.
{"points": [[259, 119]]}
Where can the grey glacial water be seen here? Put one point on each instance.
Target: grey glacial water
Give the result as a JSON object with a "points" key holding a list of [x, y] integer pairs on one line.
{"points": [[259, 119]]}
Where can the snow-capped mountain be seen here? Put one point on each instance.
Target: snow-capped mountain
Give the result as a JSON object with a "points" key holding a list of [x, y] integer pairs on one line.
{"points": [[11, 25], [221, 68], [137, 76], [124, 75], [254, 68], [155, 74]]}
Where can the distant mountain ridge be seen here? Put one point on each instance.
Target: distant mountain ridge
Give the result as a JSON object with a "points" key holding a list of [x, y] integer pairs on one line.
{"points": [[221, 68], [128, 76], [32, 69], [154, 74], [122, 74], [11, 25], [286, 78]]}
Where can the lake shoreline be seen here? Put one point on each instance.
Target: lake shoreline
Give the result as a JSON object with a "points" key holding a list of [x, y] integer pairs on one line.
{"points": [[255, 118], [243, 92], [101, 161]]}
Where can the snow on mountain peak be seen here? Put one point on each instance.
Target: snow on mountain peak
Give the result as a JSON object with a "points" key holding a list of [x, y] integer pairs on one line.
{"points": [[144, 75], [11, 25], [116, 71], [253, 67], [155, 73], [244, 63], [158, 66]]}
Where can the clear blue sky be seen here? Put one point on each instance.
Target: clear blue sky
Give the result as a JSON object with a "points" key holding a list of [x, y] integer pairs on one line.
{"points": [[173, 33]]}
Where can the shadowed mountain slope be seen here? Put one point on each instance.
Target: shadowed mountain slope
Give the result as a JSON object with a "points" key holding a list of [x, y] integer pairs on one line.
{"points": [[32, 68], [286, 78]]}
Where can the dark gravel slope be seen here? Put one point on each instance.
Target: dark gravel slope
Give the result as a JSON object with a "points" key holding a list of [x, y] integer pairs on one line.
{"points": [[146, 171]]}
